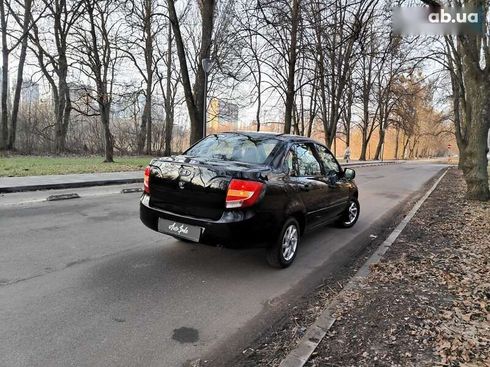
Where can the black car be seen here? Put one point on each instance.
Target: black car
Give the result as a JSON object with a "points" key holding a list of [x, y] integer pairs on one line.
{"points": [[249, 189]]}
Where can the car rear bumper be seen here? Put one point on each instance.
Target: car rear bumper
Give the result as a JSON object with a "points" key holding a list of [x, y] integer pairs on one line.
{"points": [[235, 229]]}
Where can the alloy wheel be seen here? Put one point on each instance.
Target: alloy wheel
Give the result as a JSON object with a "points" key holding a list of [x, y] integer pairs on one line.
{"points": [[352, 212], [289, 242]]}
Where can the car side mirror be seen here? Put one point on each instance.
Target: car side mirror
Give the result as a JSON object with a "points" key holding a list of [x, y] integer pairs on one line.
{"points": [[349, 174]]}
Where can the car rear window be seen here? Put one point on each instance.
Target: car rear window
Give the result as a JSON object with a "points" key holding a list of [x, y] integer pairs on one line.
{"points": [[234, 147]]}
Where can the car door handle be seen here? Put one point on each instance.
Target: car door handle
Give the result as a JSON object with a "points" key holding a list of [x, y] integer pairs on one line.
{"points": [[306, 187]]}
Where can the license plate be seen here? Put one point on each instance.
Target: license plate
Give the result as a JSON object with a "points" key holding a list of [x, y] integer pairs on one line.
{"points": [[182, 230]]}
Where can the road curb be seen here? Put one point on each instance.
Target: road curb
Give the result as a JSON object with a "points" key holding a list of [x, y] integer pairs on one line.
{"points": [[368, 164], [69, 185], [298, 356]]}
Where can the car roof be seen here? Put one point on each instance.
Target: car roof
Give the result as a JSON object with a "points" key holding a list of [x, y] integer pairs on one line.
{"points": [[279, 136]]}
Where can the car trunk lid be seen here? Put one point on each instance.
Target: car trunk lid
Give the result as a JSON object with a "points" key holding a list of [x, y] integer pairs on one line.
{"points": [[197, 188]]}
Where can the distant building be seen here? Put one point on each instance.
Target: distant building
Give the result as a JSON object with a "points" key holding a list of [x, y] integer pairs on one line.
{"points": [[222, 115]]}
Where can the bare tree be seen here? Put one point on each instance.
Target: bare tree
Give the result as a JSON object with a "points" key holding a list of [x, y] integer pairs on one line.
{"points": [[96, 41], [194, 95], [169, 96], [347, 104], [470, 80], [5, 66], [370, 65], [53, 59], [338, 26], [169, 82], [290, 91], [143, 18], [251, 50], [24, 23], [281, 33]]}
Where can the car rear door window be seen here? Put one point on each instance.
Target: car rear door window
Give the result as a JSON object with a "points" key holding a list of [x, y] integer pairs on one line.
{"points": [[302, 162], [328, 159]]}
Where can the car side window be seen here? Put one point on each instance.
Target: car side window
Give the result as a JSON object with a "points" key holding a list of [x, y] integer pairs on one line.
{"points": [[301, 161], [328, 159], [288, 164]]}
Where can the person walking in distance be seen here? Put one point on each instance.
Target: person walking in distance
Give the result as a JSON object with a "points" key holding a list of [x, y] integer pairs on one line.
{"points": [[347, 154]]}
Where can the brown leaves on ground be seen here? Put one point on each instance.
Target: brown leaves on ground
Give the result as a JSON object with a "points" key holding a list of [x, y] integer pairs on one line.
{"points": [[428, 302]]}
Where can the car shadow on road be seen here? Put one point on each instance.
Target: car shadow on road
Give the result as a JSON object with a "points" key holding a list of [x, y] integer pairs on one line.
{"points": [[172, 263], [179, 264]]}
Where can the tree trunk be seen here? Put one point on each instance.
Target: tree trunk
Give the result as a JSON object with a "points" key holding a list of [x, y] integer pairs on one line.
{"points": [[20, 76], [5, 65], [63, 106], [405, 145], [207, 23], [312, 108], [365, 121], [168, 129], [195, 114], [141, 138], [397, 142], [295, 121], [145, 132], [108, 139], [288, 115], [66, 117], [334, 118], [348, 110], [474, 153], [259, 100], [348, 117], [147, 117], [471, 103], [169, 110], [59, 138], [364, 145], [379, 147], [347, 135], [320, 68]]}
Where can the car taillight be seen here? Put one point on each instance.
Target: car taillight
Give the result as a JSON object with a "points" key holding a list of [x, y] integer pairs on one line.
{"points": [[146, 180], [243, 193]]}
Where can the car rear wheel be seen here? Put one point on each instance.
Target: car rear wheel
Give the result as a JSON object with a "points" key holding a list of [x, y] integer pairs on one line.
{"points": [[351, 214], [283, 251]]}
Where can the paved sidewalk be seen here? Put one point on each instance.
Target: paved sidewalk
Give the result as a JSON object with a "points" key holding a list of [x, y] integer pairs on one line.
{"points": [[34, 183]]}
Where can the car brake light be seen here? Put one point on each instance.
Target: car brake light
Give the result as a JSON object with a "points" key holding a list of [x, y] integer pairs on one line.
{"points": [[146, 181], [242, 193]]}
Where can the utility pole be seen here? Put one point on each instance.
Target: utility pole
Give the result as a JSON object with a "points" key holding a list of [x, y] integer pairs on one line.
{"points": [[206, 66]]}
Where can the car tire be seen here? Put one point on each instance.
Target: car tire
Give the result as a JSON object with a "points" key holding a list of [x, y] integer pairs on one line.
{"points": [[351, 214], [283, 250]]}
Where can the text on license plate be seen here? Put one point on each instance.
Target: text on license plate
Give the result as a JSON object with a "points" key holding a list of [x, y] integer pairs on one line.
{"points": [[177, 229]]}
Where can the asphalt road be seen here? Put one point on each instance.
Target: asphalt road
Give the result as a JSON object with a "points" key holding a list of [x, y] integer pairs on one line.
{"points": [[84, 283]]}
